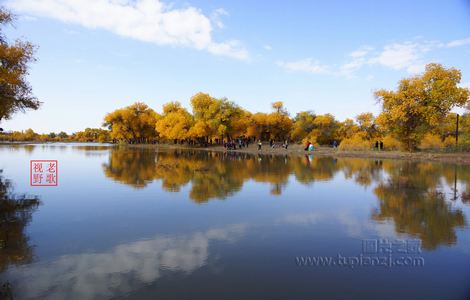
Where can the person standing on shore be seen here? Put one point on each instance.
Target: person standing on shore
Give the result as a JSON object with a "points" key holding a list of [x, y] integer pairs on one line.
{"points": [[259, 145], [306, 146], [310, 147]]}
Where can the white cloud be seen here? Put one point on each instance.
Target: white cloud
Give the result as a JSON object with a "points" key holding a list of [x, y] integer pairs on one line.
{"points": [[28, 18], [361, 52], [305, 65], [409, 56], [104, 275], [71, 32], [416, 68], [303, 218], [458, 43], [216, 17], [357, 61], [267, 47], [399, 56], [144, 20]]}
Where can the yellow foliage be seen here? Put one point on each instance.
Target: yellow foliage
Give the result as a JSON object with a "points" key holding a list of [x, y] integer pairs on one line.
{"points": [[131, 124], [312, 138], [431, 142], [15, 91], [355, 143], [421, 103], [449, 141], [175, 122], [391, 143], [303, 125]]}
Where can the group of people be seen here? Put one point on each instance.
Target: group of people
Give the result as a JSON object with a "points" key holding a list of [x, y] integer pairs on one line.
{"points": [[239, 142], [273, 145], [379, 145]]}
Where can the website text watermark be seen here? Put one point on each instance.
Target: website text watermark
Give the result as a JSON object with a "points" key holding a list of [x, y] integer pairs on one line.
{"points": [[375, 253]]}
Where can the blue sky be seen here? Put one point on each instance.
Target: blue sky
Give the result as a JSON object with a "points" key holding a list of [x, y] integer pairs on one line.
{"points": [[327, 56]]}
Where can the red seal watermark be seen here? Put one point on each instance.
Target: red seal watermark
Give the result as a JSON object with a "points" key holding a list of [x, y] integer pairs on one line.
{"points": [[43, 172]]}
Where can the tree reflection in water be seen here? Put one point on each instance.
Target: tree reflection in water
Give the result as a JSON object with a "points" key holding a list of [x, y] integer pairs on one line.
{"points": [[15, 214], [413, 199], [410, 194]]}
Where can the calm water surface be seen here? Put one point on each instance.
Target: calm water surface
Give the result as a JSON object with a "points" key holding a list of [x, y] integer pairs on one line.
{"points": [[148, 224]]}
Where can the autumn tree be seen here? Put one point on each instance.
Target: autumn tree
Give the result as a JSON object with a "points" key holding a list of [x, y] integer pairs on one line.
{"points": [[347, 129], [421, 103], [259, 126], [216, 118], [303, 125], [92, 135], [325, 127], [279, 123], [15, 91], [175, 122], [367, 124], [204, 109], [132, 124], [278, 107]]}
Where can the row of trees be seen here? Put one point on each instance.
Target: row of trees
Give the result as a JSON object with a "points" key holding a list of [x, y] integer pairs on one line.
{"points": [[212, 121], [88, 135], [417, 114]]}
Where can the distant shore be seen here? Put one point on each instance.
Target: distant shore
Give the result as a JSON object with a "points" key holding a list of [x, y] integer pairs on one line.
{"points": [[462, 158]]}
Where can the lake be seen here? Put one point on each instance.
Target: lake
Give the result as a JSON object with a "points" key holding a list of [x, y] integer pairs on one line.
{"points": [[142, 223]]}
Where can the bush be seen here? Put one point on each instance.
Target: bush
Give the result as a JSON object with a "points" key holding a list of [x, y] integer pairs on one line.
{"points": [[391, 143], [354, 143], [463, 145], [312, 138], [449, 141], [431, 142]]}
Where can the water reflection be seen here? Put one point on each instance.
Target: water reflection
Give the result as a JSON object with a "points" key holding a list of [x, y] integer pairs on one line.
{"points": [[124, 268], [415, 196], [15, 214], [412, 198], [101, 246]]}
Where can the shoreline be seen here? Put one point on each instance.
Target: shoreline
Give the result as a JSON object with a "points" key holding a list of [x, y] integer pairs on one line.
{"points": [[460, 158]]}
